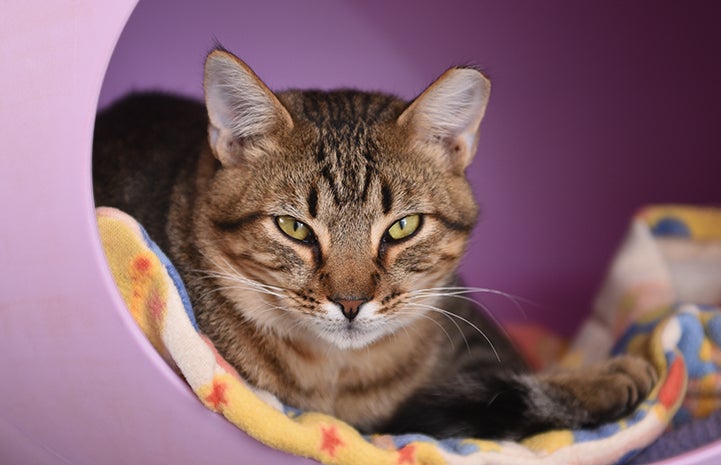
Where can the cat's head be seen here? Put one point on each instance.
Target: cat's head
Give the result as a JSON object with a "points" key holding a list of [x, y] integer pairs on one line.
{"points": [[337, 214]]}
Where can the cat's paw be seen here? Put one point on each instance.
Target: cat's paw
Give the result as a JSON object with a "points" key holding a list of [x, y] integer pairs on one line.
{"points": [[608, 390], [618, 386]]}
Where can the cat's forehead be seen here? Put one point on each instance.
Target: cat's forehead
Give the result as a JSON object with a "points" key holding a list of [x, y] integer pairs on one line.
{"points": [[340, 111], [348, 153]]}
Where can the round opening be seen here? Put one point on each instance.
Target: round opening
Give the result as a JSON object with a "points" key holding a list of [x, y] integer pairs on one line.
{"points": [[572, 145], [595, 113]]}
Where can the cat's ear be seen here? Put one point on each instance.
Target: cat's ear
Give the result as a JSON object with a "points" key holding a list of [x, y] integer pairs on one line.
{"points": [[240, 106], [449, 113]]}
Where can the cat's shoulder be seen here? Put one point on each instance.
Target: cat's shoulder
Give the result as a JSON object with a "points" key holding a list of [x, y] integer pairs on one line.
{"points": [[149, 106]]}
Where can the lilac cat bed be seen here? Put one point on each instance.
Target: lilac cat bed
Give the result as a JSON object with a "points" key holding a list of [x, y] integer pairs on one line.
{"points": [[81, 384], [653, 305]]}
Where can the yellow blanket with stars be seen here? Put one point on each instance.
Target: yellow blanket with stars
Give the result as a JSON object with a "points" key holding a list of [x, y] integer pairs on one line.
{"points": [[661, 300]]}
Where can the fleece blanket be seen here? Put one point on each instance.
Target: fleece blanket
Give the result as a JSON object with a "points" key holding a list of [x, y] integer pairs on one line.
{"points": [[660, 300]]}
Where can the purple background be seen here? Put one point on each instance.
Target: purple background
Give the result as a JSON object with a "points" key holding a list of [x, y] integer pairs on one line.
{"points": [[597, 109], [82, 384]]}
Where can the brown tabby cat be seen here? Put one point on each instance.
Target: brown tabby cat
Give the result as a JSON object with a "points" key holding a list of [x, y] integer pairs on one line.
{"points": [[319, 233]]}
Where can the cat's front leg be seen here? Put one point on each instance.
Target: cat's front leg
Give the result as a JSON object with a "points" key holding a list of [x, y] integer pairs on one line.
{"points": [[493, 403], [598, 393]]}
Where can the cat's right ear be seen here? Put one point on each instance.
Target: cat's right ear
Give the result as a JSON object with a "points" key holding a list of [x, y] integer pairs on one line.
{"points": [[240, 106], [448, 115]]}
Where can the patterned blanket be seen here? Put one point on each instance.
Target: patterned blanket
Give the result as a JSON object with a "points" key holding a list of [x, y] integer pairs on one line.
{"points": [[660, 300]]}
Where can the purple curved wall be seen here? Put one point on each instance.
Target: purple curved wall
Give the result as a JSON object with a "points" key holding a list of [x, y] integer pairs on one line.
{"points": [[597, 109]]}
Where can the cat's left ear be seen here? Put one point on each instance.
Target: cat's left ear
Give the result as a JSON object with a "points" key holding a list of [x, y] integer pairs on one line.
{"points": [[449, 113], [241, 108]]}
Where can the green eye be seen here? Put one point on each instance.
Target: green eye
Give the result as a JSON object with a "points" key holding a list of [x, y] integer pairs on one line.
{"points": [[404, 227], [294, 228]]}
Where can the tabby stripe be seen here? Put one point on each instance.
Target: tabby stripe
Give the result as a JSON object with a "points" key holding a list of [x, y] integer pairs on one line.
{"points": [[366, 104], [342, 115], [281, 371], [387, 198], [420, 269], [367, 182], [400, 374], [379, 259], [257, 344], [250, 261], [368, 154], [317, 257], [320, 155], [331, 183], [454, 225], [313, 202], [335, 111], [234, 225], [352, 110], [312, 110], [378, 112]]}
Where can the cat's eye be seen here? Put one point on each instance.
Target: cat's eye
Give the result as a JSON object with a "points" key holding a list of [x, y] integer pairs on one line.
{"points": [[404, 228], [294, 228]]}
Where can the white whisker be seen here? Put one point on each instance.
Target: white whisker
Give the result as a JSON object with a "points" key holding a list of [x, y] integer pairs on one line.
{"points": [[246, 283], [451, 314], [227, 269], [473, 301], [236, 287], [240, 279], [459, 291], [448, 336]]}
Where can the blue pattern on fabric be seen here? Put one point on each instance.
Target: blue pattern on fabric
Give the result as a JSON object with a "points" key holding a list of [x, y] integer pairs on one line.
{"points": [[670, 227], [174, 276]]}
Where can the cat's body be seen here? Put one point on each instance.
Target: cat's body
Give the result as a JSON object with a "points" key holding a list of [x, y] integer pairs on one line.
{"points": [[318, 235]]}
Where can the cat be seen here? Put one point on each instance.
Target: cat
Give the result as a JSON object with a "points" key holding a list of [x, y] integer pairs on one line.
{"points": [[318, 234]]}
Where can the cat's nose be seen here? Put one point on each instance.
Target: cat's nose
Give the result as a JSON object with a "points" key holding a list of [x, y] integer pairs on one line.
{"points": [[350, 307]]}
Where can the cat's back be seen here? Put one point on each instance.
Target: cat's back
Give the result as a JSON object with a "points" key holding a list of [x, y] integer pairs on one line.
{"points": [[142, 144]]}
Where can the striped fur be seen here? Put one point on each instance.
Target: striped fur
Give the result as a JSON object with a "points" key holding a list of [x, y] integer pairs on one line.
{"points": [[347, 321]]}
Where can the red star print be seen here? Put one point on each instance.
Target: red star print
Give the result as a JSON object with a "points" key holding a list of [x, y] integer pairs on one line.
{"points": [[331, 441], [156, 305], [405, 455], [217, 397], [142, 264], [671, 389]]}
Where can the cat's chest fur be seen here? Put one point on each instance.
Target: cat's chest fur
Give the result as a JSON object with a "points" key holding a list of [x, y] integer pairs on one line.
{"points": [[355, 383], [315, 231], [363, 386], [318, 234]]}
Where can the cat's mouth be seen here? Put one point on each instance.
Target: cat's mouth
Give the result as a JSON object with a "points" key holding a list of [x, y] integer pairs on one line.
{"points": [[352, 336], [348, 335]]}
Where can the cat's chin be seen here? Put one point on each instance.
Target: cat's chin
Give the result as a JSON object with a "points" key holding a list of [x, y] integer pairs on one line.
{"points": [[352, 338], [335, 330]]}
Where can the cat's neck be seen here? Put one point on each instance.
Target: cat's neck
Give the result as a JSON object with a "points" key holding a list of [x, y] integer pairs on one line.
{"points": [[381, 373]]}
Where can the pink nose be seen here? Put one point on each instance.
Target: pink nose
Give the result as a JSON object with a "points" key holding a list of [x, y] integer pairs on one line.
{"points": [[350, 307]]}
